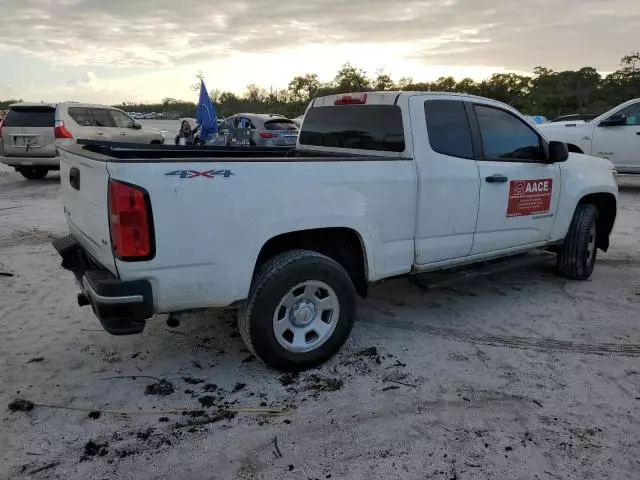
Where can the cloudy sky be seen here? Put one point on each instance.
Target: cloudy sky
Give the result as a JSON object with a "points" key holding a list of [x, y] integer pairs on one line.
{"points": [[145, 50]]}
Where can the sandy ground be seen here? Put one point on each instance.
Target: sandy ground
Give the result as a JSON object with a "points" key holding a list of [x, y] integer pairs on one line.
{"points": [[522, 375]]}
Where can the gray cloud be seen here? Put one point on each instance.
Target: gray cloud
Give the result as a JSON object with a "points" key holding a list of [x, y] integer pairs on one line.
{"points": [[518, 34]]}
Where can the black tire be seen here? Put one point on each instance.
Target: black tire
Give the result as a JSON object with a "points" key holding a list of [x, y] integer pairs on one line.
{"points": [[273, 281], [33, 173], [574, 261]]}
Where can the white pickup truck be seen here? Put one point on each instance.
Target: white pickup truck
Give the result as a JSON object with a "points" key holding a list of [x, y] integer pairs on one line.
{"points": [[379, 185], [614, 135]]}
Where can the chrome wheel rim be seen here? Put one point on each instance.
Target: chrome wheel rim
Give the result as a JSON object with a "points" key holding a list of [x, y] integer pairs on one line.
{"points": [[591, 245], [306, 316]]}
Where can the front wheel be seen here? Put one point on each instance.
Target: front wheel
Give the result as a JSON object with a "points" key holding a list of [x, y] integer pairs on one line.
{"points": [[33, 173], [300, 311], [577, 256]]}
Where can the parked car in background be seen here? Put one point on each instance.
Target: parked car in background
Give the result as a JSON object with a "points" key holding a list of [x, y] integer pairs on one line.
{"points": [[32, 132], [584, 117], [266, 130], [614, 135]]}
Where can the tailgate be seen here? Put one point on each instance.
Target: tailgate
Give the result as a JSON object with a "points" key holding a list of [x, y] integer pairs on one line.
{"points": [[85, 184], [28, 131]]}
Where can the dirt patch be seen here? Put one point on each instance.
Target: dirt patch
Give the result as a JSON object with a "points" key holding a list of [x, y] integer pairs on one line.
{"points": [[193, 381], [289, 379], [91, 449], [161, 388], [21, 405], [323, 384]]}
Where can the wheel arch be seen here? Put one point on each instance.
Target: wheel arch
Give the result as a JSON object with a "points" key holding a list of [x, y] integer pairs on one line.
{"points": [[606, 204], [342, 244], [574, 148]]}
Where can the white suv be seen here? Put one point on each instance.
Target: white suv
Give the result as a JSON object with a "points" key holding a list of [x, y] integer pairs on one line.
{"points": [[32, 132]]}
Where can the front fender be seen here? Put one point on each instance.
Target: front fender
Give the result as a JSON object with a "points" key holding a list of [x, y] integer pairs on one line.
{"points": [[580, 176]]}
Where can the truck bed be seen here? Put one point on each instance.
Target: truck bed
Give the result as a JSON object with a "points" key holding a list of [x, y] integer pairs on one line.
{"points": [[134, 152]]}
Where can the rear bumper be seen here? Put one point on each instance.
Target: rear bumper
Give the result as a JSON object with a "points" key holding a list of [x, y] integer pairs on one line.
{"points": [[49, 162], [121, 306]]}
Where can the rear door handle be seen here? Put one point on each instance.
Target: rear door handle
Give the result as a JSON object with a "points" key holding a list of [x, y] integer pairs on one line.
{"points": [[99, 133], [122, 133], [496, 178]]}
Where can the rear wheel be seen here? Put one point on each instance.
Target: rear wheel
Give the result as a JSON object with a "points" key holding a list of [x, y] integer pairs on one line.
{"points": [[33, 173], [577, 256], [300, 311]]}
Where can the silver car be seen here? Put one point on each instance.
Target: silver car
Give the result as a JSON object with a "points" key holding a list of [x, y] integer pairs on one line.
{"points": [[266, 130], [32, 132]]}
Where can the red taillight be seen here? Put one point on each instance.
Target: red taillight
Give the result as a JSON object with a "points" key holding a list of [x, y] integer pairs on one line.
{"points": [[61, 131], [360, 99], [130, 221], [268, 135]]}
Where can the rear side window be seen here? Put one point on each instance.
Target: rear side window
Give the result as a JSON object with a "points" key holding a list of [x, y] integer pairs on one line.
{"points": [[363, 127], [81, 116], [30, 117], [448, 128], [102, 117], [504, 136], [280, 125]]}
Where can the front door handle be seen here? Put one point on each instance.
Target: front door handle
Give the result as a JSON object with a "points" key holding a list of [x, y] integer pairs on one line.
{"points": [[496, 178], [122, 133]]}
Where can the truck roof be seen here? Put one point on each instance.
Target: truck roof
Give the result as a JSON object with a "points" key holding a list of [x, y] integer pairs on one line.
{"points": [[392, 98], [384, 98]]}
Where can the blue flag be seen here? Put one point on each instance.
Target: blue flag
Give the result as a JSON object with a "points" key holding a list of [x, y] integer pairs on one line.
{"points": [[206, 114]]}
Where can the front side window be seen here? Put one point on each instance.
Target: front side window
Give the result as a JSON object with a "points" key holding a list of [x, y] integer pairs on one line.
{"points": [[506, 137], [101, 117], [121, 120], [448, 128], [631, 114]]}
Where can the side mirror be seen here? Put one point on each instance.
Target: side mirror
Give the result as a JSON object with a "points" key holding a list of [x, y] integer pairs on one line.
{"points": [[558, 152], [614, 121], [137, 126]]}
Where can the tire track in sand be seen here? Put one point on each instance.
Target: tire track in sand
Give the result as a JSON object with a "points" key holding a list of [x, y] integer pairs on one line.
{"points": [[540, 344]]}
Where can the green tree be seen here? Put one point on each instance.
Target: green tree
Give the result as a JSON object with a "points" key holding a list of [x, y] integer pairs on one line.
{"points": [[304, 87], [382, 82], [351, 79]]}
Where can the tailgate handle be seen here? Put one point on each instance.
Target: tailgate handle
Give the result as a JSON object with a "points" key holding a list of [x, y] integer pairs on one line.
{"points": [[74, 178]]}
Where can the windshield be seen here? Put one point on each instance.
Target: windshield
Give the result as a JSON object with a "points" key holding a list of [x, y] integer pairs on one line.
{"points": [[280, 124], [30, 117]]}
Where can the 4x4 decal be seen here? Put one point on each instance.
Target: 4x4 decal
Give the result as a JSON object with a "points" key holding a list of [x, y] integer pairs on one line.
{"points": [[206, 173]]}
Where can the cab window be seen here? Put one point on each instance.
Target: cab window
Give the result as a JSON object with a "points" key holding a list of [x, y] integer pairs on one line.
{"points": [[507, 138], [448, 128]]}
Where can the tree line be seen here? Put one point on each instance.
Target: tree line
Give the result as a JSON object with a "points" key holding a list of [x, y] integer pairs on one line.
{"points": [[547, 92]]}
